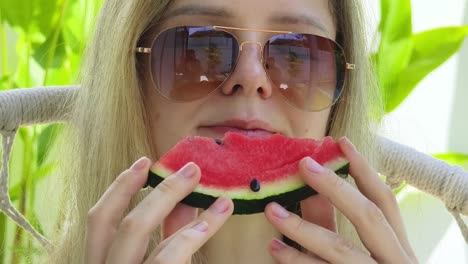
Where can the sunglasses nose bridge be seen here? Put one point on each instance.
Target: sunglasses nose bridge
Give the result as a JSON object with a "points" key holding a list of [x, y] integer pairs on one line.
{"points": [[241, 48], [250, 42]]}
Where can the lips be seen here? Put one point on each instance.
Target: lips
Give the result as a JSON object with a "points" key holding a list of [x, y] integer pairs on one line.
{"points": [[221, 130], [251, 128]]}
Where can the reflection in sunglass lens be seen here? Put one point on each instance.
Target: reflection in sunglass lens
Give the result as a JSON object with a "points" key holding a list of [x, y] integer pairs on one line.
{"points": [[306, 68], [190, 62]]}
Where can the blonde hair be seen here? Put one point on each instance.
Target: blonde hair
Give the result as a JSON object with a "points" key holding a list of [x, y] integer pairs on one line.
{"points": [[109, 128]]}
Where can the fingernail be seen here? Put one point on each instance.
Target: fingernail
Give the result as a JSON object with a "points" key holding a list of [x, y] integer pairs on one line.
{"points": [[139, 164], [279, 211], [277, 245], [220, 205], [312, 166], [201, 227], [188, 171], [349, 143]]}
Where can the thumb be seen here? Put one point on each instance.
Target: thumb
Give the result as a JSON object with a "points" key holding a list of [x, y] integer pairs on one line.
{"points": [[317, 209], [178, 218]]}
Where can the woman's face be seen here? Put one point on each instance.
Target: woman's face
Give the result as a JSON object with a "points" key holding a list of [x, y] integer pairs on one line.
{"points": [[248, 95]]}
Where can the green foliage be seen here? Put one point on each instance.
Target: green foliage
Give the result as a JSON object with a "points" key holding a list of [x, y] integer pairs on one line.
{"points": [[454, 158], [403, 58], [50, 36]]}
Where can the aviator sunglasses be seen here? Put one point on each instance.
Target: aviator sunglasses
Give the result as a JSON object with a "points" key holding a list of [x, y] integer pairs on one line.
{"points": [[190, 62]]}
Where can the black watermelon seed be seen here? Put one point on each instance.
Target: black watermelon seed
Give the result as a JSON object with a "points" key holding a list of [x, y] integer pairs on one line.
{"points": [[255, 185], [218, 141]]}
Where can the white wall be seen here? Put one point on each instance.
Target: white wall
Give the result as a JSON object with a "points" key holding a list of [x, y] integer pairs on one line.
{"points": [[433, 119]]}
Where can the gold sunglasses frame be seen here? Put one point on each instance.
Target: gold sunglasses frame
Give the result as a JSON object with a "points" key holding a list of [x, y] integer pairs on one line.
{"points": [[148, 50]]}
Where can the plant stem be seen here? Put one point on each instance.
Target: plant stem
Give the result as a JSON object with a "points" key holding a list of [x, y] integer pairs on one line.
{"points": [[31, 186], [3, 44], [3, 237], [58, 28], [28, 60], [18, 239]]}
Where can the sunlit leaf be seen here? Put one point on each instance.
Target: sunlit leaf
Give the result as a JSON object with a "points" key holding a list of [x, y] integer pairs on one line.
{"points": [[453, 158], [15, 192], [395, 46], [395, 23], [46, 140], [429, 50], [27, 16], [46, 15], [29, 73], [402, 187], [18, 13], [5, 82], [392, 59], [56, 46], [44, 171]]}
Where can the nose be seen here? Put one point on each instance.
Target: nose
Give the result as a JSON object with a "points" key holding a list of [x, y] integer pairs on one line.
{"points": [[249, 76]]}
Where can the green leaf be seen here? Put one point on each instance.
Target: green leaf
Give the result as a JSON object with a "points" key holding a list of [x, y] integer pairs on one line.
{"points": [[40, 174], [18, 13], [453, 158], [398, 190], [41, 52], [429, 50], [395, 23], [35, 222], [46, 15], [395, 47], [5, 82], [15, 192], [29, 73], [392, 59], [44, 171], [27, 15], [46, 140]]}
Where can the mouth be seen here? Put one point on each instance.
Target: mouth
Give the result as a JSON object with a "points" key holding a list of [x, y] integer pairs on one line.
{"points": [[219, 131], [251, 128]]}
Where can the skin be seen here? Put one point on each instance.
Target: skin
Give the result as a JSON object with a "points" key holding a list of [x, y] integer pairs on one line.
{"points": [[116, 238]]}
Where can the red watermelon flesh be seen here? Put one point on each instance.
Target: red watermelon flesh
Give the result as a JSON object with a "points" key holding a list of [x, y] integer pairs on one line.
{"points": [[234, 167]]}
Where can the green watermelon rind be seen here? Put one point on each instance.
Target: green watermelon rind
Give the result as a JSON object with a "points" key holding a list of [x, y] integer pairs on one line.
{"points": [[288, 191]]}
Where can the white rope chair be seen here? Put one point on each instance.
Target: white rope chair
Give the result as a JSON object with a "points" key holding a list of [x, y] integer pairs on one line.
{"points": [[23, 107]]}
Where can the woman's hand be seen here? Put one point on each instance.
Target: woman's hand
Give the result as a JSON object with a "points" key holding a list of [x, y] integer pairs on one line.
{"points": [[372, 210], [114, 238]]}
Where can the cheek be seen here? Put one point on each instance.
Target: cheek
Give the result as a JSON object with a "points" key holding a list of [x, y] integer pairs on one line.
{"points": [[169, 122]]}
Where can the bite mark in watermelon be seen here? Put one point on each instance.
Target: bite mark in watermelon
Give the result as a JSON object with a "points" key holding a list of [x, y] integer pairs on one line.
{"points": [[251, 171]]}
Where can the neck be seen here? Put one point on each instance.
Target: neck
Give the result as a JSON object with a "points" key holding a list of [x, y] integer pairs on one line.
{"points": [[242, 239]]}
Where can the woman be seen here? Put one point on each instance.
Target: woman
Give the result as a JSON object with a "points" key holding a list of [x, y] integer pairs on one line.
{"points": [[134, 103]]}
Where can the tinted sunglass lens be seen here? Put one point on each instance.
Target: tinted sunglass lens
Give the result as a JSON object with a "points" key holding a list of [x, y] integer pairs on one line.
{"points": [[190, 62], [307, 69]]}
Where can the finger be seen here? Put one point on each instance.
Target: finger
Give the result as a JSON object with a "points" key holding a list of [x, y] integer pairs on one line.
{"points": [[286, 254], [322, 242], [369, 183], [367, 218], [317, 209], [178, 218], [184, 243], [133, 234], [105, 215]]}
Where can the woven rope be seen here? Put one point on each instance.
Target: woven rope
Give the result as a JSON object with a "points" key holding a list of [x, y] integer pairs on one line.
{"points": [[22, 107], [6, 205], [399, 163], [449, 183]]}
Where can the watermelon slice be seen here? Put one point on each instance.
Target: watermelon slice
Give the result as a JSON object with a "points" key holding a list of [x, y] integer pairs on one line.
{"points": [[251, 171]]}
